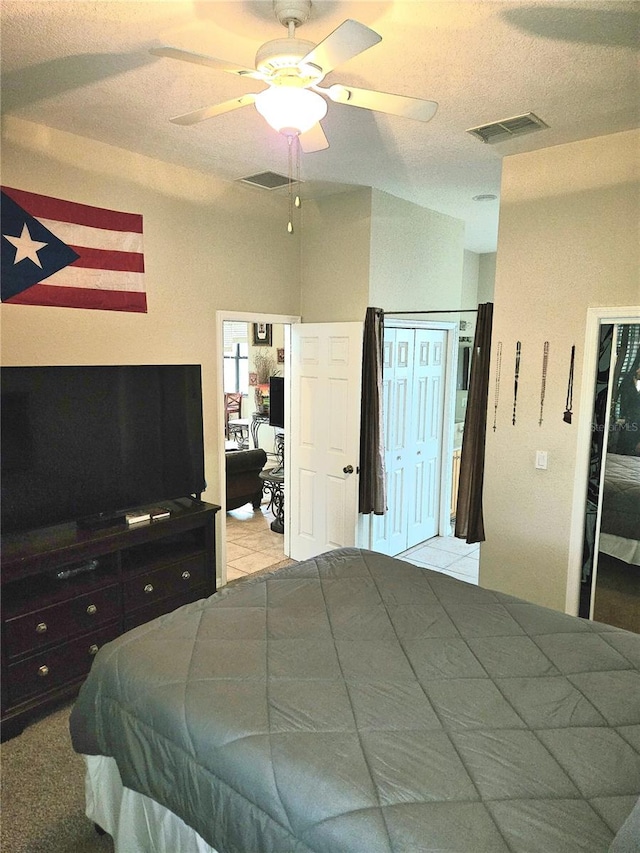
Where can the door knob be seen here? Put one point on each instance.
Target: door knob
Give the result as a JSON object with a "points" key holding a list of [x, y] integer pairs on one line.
{"points": [[348, 469]]}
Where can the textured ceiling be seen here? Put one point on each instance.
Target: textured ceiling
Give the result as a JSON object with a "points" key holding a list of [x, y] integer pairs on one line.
{"points": [[84, 67]]}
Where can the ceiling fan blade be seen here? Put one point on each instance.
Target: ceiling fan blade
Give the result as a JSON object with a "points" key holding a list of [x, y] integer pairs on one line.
{"points": [[345, 42], [382, 102], [208, 61], [313, 140], [209, 112]]}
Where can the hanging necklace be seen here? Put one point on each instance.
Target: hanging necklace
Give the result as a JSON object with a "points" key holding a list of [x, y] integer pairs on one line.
{"points": [[543, 387], [568, 413], [497, 391], [515, 382]]}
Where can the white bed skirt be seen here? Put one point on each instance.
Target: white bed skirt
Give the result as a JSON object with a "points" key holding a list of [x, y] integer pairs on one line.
{"points": [[136, 823], [627, 550]]}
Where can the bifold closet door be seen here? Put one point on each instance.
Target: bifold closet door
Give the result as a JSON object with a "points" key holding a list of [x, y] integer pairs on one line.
{"points": [[413, 394], [426, 435]]}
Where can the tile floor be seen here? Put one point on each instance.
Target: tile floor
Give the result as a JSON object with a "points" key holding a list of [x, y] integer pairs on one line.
{"points": [[252, 546], [446, 554]]}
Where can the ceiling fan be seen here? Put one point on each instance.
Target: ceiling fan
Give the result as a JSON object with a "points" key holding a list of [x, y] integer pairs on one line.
{"points": [[294, 102]]}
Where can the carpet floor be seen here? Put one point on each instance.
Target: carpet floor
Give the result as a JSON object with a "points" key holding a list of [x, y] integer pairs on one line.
{"points": [[617, 598], [43, 793]]}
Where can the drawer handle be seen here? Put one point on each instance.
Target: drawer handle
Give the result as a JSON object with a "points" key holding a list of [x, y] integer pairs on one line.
{"points": [[91, 609], [148, 588], [41, 627], [186, 576], [43, 671], [93, 649]]}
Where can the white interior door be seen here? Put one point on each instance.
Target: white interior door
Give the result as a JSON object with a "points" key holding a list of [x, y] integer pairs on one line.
{"points": [[326, 368], [413, 394]]}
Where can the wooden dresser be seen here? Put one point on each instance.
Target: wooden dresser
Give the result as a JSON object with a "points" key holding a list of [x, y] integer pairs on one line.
{"points": [[67, 591]]}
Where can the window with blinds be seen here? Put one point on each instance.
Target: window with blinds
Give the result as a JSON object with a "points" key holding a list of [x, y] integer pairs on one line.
{"points": [[236, 357]]}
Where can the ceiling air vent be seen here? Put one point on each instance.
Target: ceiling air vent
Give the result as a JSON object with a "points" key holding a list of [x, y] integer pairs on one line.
{"points": [[266, 180], [499, 131]]}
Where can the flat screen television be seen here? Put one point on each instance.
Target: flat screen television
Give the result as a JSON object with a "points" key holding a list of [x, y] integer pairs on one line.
{"points": [[84, 444], [276, 401]]}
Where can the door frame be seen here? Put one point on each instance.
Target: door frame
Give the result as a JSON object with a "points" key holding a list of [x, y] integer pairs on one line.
{"points": [[452, 330], [595, 318], [285, 320]]}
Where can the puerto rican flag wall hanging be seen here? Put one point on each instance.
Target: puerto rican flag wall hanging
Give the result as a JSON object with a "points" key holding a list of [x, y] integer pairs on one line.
{"points": [[70, 255]]}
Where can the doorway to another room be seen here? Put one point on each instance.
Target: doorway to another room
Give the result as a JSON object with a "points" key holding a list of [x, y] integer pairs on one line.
{"points": [[254, 350]]}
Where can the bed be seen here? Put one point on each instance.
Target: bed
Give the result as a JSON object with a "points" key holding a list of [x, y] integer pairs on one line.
{"points": [[355, 702], [620, 524]]}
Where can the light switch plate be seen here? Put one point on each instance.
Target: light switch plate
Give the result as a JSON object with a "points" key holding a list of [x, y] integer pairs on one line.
{"points": [[541, 459]]}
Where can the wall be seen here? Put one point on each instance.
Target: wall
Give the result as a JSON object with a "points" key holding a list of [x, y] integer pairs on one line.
{"points": [[470, 277], [335, 235], [486, 276], [209, 245], [568, 240], [366, 247], [250, 404], [417, 256]]}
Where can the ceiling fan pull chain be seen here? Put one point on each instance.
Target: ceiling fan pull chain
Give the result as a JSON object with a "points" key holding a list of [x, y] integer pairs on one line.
{"points": [[290, 176], [293, 143], [296, 200]]}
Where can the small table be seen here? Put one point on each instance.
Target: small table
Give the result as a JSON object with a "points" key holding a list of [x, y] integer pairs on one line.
{"points": [[238, 429], [257, 419], [273, 480]]}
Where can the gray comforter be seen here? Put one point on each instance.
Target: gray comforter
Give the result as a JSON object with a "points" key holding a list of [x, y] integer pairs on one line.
{"points": [[621, 496], [357, 703]]}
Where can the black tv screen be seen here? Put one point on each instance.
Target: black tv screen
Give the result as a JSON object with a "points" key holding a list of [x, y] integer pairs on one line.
{"points": [[81, 442], [276, 401]]}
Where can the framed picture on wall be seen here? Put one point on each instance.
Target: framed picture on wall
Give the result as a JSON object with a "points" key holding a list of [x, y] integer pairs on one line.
{"points": [[262, 334], [280, 355]]}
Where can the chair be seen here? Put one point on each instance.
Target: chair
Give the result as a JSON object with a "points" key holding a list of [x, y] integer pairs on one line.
{"points": [[232, 406], [244, 484]]}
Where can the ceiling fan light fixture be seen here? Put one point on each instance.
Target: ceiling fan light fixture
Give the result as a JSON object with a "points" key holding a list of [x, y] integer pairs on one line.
{"points": [[290, 110], [281, 62]]}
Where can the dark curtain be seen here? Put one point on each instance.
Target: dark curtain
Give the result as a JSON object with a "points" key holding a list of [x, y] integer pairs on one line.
{"points": [[469, 520], [372, 497]]}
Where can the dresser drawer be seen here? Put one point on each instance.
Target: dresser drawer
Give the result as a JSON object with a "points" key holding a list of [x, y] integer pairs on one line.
{"points": [[57, 666], [149, 587], [30, 631], [162, 606]]}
